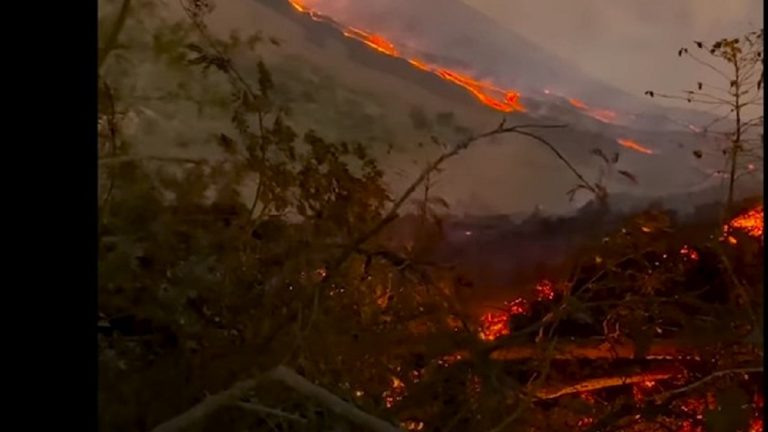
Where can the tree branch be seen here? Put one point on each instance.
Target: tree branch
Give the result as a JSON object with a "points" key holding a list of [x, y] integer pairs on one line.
{"points": [[706, 379], [329, 400], [601, 383], [124, 159], [117, 28], [208, 406], [272, 411]]}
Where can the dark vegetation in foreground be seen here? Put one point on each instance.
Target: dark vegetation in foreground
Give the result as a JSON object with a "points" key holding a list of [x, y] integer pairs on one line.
{"points": [[305, 304]]}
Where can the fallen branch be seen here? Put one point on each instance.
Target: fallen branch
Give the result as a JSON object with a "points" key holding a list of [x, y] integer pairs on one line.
{"points": [[331, 401], [662, 350], [706, 379], [261, 409], [124, 159], [288, 377], [208, 406], [601, 383]]}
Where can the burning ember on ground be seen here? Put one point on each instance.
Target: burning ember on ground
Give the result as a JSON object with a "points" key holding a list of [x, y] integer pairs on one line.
{"points": [[504, 100], [689, 253], [605, 116], [634, 145], [750, 223]]}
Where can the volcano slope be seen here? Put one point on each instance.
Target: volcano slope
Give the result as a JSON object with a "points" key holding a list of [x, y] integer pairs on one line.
{"points": [[344, 89]]}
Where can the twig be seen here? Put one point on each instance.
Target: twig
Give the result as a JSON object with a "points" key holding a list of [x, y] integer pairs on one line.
{"points": [[267, 410], [706, 379], [124, 159]]}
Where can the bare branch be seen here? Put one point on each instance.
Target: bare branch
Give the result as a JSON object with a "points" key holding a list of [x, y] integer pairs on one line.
{"points": [[272, 411], [708, 378], [208, 406], [601, 383], [124, 159], [708, 65], [329, 400]]}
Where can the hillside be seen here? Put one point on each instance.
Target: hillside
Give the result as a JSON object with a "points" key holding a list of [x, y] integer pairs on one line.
{"points": [[344, 89]]}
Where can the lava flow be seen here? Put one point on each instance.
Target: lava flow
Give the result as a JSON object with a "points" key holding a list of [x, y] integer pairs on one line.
{"points": [[634, 145], [605, 116], [503, 100]]}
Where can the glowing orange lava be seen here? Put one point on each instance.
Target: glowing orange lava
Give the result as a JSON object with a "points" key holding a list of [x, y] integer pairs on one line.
{"points": [[379, 43], [504, 100], [605, 116], [577, 103], [634, 145]]}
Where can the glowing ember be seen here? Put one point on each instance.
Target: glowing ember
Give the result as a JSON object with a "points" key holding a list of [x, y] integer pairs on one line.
{"points": [[634, 145], [374, 41], [578, 104], [689, 253], [494, 325], [504, 100], [605, 116], [411, 425], [585, 422], [545, 291], [750, 222], [395, 393], [517, 307]]}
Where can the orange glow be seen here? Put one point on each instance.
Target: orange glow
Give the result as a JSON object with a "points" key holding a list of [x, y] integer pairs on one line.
{"points": [[395, 393], [504, 100], [379, 43], [605, 116], [545, 290], [689, 253], [578, 104], [750, 222], [634, 145], [494, 325], [419, 64], [298, 6]]}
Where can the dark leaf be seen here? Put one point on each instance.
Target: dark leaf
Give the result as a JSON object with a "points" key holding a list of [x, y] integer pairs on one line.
{"points": [[599, 153], [699, 85], [194, 47], [698, 154], [198, 60], [227, 144], [649, 93], [628, 175], [699, 44]]}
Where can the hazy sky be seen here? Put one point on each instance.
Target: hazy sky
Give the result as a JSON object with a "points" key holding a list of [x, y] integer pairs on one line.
{"points": [[630, 43]]}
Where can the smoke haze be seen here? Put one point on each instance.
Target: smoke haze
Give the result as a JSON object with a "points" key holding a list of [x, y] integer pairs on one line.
{"points": [[628, 43]]}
